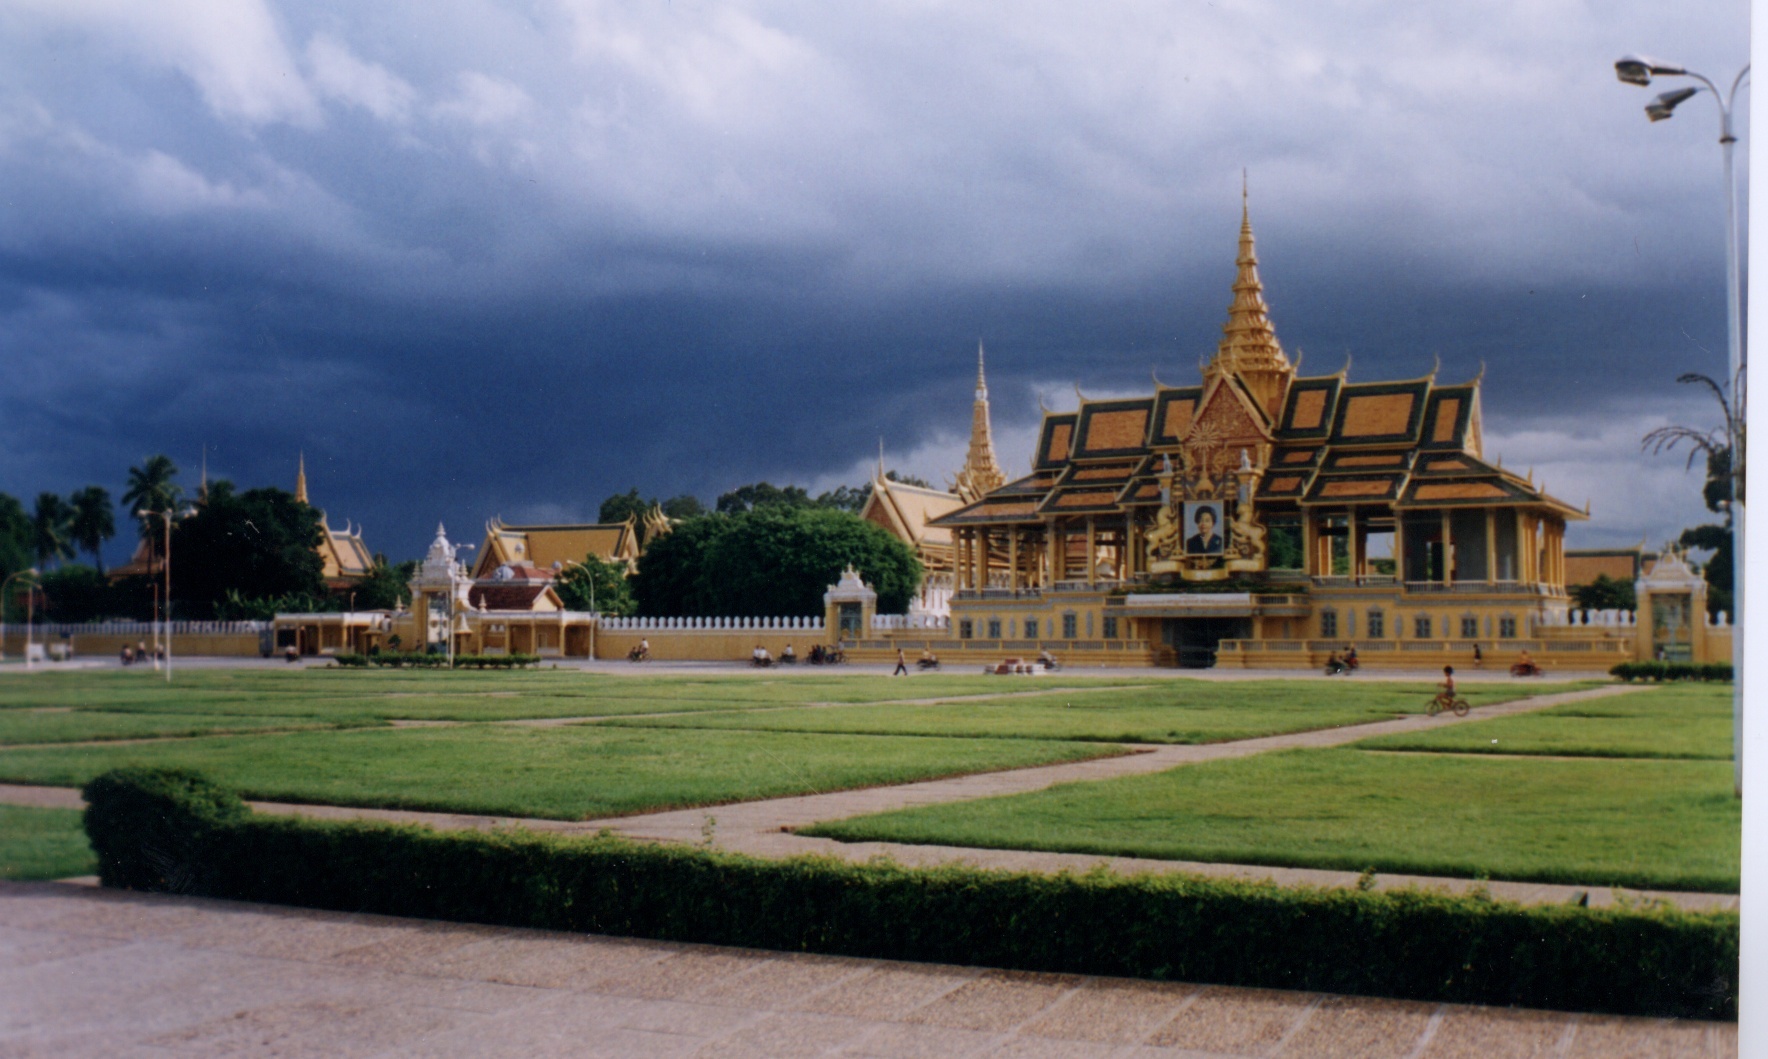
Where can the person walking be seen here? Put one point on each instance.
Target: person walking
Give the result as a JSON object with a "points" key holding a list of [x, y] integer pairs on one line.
{"points": [[902, 664]]}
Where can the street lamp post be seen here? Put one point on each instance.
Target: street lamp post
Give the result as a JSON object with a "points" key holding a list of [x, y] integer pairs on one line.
{"points": [[1636, 70], [32, 576], [166, 518], [453, 600]]}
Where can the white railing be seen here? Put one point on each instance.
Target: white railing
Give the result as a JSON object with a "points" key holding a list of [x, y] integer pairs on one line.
{"points": [[137, 628], [931, 622], [1615, 619], [709, 624]]}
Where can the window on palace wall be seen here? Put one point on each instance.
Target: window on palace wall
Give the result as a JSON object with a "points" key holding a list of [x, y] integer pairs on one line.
{"points": [[1283, 542], [1110, 627], [1068, 627], [994, 628], [1469, 628], [1377, 623], [1467, 532], [1031, 628], [1421, 627], [1329, 623], [1507, 628], [965, 629]]}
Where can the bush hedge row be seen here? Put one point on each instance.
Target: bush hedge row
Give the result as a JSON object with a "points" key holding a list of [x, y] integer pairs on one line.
{"points": [[170, 830], [1661, 671], [434, 661]]}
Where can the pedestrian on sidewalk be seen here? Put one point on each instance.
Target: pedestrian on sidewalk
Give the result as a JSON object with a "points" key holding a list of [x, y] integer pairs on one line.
{"points": [[902, 665]]}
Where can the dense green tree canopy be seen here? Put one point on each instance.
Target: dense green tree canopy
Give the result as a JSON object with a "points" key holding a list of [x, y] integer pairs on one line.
{"points": [[256, 544], [386, 587], [15, 536], [594, 585], [777, 560], [1605, 593]]}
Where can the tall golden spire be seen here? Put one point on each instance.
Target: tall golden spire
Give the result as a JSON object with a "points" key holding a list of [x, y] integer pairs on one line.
{"points": [[301, 480], [1249, 346], [982, 472]]}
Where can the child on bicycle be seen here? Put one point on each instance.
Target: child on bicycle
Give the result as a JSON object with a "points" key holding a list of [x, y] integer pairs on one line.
{"points": [[1448, 684]]}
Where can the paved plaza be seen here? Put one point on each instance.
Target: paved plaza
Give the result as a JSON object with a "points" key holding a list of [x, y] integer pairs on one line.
{"points": [[94, 973]]}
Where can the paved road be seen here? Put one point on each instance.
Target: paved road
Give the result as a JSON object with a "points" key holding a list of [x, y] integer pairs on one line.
{"points": [[107, 975]]}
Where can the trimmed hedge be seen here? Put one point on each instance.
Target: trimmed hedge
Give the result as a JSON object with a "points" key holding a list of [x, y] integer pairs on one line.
{"points": [[435, 661], [1410, 944], [1661, 671]]}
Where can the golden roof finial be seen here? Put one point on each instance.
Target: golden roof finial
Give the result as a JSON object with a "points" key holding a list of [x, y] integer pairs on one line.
{"points": [[301, 479], [1249, 345], [982, 472]]}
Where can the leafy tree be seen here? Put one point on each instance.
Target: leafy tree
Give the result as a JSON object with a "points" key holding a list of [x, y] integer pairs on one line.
{"points": [[152, 488], [778, 561], [622, 506], [667, 583], [235, 607], [845, 498], [1606, 593], [258, 544], [16, 549], [76, 592], [774, 561], [596, 585], [51, 527], [94, 521], [386, 586], [683, 506], [762, 494]]}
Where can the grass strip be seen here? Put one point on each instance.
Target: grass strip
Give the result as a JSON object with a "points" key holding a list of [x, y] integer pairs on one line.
{"points": [[1176, 711], [43, 844], [1670, 825], [561, 773], [1689, 721]]}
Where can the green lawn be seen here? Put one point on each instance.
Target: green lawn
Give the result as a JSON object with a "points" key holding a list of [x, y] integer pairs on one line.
{"points": [[356, 695], [564, 773], [43, 844], [1175, 711], [1664, 824], [66, 725], [1676, 721]]}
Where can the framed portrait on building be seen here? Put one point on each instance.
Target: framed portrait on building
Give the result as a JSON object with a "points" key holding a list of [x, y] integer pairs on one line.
{"points": [[1203, 527]]}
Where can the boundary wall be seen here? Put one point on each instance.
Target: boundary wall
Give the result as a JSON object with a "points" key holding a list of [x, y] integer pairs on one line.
{"points": [[224, 639]]}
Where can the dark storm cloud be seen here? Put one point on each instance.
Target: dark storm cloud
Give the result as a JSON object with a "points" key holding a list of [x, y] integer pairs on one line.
{"points": [[490, 259]]}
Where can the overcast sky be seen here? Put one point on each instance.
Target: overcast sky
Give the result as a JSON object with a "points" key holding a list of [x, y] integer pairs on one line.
{"points": [[506, 258]]}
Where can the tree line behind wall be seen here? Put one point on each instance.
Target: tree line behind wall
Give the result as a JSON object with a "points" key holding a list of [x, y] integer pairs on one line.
{"points": [[239, 555]]}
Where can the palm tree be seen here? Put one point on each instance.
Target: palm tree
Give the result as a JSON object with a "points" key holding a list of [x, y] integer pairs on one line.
{"points": [[151, 488], [94, 521], [49, 529], [1718, 446]]}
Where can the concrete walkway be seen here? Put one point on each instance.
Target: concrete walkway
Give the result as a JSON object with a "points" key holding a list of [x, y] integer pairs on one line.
{"points": [[96, 974], [764, 828]]}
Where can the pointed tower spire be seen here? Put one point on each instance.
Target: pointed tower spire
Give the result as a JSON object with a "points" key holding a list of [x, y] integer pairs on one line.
{"points": [[301, 480], [982, 472], [1249, 346]]}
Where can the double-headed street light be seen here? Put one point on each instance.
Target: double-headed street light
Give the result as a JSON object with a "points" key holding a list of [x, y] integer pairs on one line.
{"points": [[167, 517], [33, 579], [1637, 70]]}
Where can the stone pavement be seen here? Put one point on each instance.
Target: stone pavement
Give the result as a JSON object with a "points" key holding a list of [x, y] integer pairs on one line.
{"points": [[94, 973]]}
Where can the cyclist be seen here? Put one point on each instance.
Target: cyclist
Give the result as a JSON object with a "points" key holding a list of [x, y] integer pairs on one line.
{"points": [[1448, 685]]}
